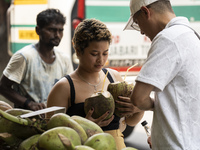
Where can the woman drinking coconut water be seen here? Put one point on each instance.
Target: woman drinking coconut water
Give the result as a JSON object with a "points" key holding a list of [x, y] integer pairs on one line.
{"points": [[91, 42]]}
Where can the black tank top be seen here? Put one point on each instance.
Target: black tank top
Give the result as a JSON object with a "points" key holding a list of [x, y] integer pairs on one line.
{"points": [[78, 109]]}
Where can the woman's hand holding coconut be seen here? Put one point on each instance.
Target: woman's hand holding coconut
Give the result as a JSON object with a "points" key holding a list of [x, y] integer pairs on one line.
{"points": [[101, 121], [124, 106], [131, 113], [121, 91], [127, 108]]}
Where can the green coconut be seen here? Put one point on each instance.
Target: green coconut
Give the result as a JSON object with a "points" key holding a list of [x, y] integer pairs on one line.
{"points": [[10, 122], [30, 143], [18, 111], [83, 147], [59, 138], [120, 89], [101, 141], [9, 140], [5, 106], [129, 148], [89, 126], [102, 102], [61, 119]]}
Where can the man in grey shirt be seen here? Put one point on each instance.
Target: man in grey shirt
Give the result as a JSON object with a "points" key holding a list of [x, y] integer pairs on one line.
{"points": [[33, 70]]}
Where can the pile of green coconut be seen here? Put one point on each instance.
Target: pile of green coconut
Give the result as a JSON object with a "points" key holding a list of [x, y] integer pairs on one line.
{"points": [[61, 131]]}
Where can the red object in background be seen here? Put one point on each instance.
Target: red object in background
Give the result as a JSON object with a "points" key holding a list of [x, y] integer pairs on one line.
{"points": [[124, 69], [81, 9], [80, 13], [75, 23]]}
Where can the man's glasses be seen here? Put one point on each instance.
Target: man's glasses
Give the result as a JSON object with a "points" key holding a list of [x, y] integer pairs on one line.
{"points": [[135, 25]]}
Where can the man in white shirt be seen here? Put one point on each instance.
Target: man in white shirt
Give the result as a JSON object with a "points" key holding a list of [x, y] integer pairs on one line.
{"points": [[33, 70], [172, 71]]}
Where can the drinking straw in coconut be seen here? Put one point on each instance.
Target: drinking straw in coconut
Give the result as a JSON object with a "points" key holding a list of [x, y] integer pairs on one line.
{"points": [[129, 69], [104, 81]]}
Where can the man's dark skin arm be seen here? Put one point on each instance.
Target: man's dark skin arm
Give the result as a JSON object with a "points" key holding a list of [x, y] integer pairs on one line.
{"points": [[10, 94]]}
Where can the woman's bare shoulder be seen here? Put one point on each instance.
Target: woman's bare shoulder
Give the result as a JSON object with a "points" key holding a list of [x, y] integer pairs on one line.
{"points": [[63, 82]]}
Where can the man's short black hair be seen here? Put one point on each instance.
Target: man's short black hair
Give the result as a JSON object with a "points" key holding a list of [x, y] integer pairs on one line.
{"points": [[48, 16]]}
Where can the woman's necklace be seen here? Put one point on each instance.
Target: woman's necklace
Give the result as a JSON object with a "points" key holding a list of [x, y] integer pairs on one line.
{"points": [[94, 85]]}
